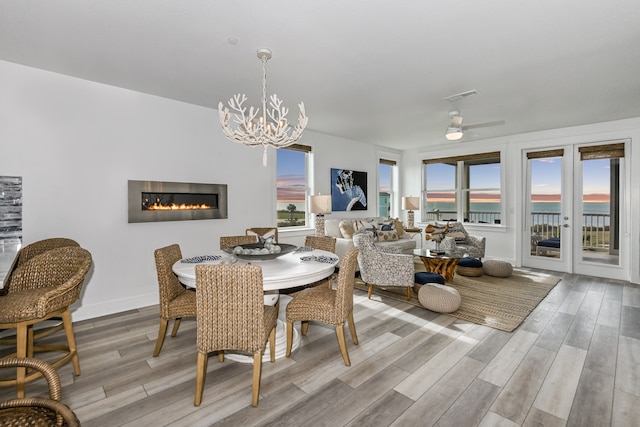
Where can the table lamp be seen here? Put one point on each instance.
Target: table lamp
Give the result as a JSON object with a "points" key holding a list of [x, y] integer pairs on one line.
{"points": [[409, 204], [320, 205]]}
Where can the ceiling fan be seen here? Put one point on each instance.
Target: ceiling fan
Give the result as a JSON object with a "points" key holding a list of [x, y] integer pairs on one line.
{"points": [[455, 130]]}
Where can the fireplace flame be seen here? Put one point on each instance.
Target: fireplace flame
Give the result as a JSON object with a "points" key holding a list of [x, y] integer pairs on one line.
{"points": [[175, 207]]}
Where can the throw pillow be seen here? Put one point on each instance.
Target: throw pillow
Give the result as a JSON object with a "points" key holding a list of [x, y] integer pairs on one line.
{"points": [[457, 231], [361, 225], [387, 235], [387, 226], [435, 232], [346, 228], [399, 227]]}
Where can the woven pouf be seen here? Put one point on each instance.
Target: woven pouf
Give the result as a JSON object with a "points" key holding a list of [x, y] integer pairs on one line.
{"points": [[497, 268], [423, 277], [469, 267], [439, 298]]}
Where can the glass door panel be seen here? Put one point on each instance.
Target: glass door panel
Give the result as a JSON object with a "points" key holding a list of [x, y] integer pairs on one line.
{"points": [[600, 211]]}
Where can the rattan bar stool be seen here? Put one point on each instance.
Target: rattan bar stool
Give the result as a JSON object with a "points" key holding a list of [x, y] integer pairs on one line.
{"points": [[37, 411], [43, 288]]}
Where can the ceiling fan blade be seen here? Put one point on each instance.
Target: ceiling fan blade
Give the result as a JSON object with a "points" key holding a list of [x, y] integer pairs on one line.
{"points": [[484, 125], [456, 122]]}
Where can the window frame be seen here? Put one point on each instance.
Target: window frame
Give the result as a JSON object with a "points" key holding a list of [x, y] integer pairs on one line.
{"points": [[307, 168], [392, 185], [462, 190]]}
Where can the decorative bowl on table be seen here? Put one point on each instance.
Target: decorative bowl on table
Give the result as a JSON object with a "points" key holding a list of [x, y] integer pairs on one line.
{"points": [[260, 251]]}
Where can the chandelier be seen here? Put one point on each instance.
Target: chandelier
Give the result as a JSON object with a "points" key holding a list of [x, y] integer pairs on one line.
{"points": [[265, 128]]}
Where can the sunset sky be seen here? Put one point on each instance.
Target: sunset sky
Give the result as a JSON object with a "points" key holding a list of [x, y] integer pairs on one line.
{"points": [[290, 172], [545, 185]]}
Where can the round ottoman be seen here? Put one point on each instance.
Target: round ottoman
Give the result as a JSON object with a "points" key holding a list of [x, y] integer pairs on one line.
{"points": [[497, 268], [439, 298], [469, 267]]}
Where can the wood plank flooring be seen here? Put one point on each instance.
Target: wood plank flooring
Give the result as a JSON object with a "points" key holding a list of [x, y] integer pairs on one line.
{"points": [[574, 362]]}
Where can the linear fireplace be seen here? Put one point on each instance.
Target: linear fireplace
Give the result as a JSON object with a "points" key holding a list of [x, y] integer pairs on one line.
{"points": [[151, 201]]}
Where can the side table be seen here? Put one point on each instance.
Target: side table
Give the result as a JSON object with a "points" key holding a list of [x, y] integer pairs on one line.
{"points": [[444, 265]]}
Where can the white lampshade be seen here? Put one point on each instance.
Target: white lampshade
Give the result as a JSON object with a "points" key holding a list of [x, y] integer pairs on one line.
{"points": [[320, 204], [410, 203]]}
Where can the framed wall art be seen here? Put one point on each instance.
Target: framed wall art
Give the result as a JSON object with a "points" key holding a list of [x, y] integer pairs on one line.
{"points": [[348, 190]]}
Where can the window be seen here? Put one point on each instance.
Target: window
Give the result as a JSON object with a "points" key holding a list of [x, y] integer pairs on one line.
{"points": [[385, 187], [291, 185], [463, 188]]}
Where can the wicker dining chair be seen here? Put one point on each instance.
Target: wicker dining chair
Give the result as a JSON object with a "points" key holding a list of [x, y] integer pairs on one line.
{"points": [[263, 233], [43, 288], [29, 251], [37, 411], [232, 316], [232, 241], [324, 243], [176, 302], [326, 305]]}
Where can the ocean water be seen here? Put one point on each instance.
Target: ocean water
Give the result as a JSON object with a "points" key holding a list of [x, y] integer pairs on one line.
{"points": [[488, 212], [537, 207]]}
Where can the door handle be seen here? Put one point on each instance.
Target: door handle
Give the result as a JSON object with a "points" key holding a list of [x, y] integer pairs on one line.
{"points": [[566, 225]]}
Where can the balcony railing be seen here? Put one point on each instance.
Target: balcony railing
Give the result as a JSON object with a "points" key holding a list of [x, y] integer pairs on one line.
{"points": [[595, 227]]}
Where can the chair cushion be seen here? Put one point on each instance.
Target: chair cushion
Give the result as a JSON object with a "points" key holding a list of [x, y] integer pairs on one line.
{"points": [[497, 268], [439, 298], [424, 277], [553, 242], [20, 306], [470, 262]]}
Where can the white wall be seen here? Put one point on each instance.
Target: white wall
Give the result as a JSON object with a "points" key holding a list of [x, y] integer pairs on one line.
{"points": [[76, 143]]}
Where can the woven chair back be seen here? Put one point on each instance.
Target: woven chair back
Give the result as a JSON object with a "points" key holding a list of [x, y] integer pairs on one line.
{"points": [[35, 249], [346, 281], [231, 241], [168, 282], [325, 243], [230, 308], [62, 269], [37, 411]]}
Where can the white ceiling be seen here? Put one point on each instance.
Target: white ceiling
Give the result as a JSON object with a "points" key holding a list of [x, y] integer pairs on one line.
{"points": [[374, 71]]}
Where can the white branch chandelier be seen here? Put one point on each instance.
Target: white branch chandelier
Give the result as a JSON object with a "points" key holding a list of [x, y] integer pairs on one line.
{"points": [[271, 128]]}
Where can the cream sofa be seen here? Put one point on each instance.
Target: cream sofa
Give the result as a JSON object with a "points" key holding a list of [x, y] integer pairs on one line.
{"points": [[384, 236]]}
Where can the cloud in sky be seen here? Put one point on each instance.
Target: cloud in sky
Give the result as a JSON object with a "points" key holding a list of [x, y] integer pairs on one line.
{"points": [[290, 180], [290, 195]]}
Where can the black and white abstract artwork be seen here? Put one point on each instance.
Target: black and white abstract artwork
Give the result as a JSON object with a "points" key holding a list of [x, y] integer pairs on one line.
{"points": [[348, 190]]}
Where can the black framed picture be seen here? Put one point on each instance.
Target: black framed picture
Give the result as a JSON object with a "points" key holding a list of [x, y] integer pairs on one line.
{"points": [[348, 190]]}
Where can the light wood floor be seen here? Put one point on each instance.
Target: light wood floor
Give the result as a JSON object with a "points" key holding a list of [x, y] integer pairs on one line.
{"points": [[575, 361]]}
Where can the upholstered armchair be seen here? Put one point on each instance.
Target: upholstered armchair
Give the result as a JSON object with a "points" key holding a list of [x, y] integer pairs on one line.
{"points": [[381, 267], [457, 241]]}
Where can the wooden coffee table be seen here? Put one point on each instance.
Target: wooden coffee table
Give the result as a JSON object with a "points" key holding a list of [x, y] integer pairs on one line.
{"points": [[445, 265]]}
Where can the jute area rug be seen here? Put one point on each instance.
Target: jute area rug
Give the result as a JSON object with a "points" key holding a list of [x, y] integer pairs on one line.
{"points": [[501, 303]]}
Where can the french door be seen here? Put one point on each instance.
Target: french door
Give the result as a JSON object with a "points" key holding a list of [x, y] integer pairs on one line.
{"points": [[574, 210]]}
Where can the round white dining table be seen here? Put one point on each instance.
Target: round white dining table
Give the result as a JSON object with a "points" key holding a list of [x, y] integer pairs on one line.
{"points": [[284, 272]]}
